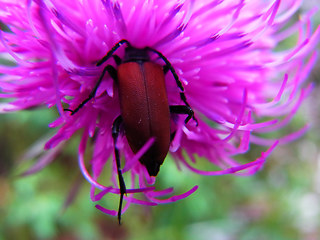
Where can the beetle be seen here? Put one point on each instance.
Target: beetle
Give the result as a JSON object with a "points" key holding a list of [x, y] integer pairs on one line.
{"points": [[144, 107]]}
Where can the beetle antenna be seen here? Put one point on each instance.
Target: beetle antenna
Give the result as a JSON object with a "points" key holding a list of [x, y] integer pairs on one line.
{"points": [[112, 50]]}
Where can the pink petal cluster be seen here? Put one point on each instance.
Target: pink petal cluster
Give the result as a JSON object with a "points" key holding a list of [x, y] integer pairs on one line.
{"points": [[225, 53]]}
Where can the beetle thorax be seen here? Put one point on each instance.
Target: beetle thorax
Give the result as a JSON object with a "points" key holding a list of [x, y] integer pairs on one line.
{"points": [[133, 54]]}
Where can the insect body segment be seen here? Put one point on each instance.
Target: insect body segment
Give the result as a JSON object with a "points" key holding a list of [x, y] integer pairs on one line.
{"points": [[145, 111]]}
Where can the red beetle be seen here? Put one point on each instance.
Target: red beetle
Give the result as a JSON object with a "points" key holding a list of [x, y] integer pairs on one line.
{"points": [[145, 112]]}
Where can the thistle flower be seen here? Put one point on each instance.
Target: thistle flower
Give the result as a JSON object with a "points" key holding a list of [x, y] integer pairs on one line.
{"points": [[238, 83]]}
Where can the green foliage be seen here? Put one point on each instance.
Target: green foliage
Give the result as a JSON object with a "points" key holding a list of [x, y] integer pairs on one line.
{"points": [[280, 202]]}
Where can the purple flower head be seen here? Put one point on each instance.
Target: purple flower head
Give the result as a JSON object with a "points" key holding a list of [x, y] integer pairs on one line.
{"points": [[225, 54]]}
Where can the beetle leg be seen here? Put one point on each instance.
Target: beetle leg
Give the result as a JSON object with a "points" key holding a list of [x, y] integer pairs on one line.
{"points": [[186, 110], [115, 134], [113, 74], [183, 109], [165, 69], [117, 59], [168, 67]]}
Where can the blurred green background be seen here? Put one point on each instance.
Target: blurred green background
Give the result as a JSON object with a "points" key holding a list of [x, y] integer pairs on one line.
{"points": [[281, 202]]}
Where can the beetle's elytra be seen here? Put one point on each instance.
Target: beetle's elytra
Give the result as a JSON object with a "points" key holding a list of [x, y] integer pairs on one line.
{"points": [[145, 111]]}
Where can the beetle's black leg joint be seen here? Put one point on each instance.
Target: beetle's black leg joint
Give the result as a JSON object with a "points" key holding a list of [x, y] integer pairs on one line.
{"points": [[184, 99], [165, 69], [112, 72], [68, 110], [117, 59], [183, 109], [112, 50], [115, 134]]}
